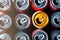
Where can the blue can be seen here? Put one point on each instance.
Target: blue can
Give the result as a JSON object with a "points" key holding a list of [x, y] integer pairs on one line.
{"points": [[39, 35], [55, 35], [55, 19]]}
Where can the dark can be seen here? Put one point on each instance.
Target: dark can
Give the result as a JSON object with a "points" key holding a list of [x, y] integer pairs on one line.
{"points": [[39, 35], [22, 4], [55, 19], [55, 35], [55, 4], [38, 5]]}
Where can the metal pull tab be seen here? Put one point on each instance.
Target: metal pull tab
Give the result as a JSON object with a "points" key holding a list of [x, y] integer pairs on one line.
{"points": [[58, 37], [41, 36], [40, 1], [23, 20]]}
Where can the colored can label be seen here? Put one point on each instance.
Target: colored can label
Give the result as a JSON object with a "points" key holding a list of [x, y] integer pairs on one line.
{"points": [[40, 19]]}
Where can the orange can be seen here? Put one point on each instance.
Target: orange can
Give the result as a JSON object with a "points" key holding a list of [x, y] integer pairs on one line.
{"points": [[40, 19]]}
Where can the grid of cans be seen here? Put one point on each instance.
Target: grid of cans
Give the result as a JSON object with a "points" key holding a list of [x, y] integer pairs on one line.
{"points": [[40, 19]]}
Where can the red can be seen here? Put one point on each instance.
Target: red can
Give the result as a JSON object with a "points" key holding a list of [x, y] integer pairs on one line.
{"points": [[38, 5], [55, 4]]}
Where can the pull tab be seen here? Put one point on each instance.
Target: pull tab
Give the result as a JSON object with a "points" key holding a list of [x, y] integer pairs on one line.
{"points": [[40, 1], [58, 1], [40, 37], [5, 37], [1, 22], [23, 38], [23, 20], [58, 37], [5, 20], [4, 2], [22, 2], [57, 20]]}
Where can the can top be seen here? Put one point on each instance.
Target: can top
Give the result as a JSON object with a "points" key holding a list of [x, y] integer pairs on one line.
{"points": [[40, 19], [22, 4], [40, 3], [22, 21], [56, 3], [55, 19], [5, 5], [5, 21], [39, 35], [21, 36]]}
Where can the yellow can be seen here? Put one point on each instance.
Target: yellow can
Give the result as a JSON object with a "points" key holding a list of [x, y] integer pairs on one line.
{"points": [[40, 19]]}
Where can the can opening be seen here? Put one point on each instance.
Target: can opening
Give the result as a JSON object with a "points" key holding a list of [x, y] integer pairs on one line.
{"points": [[18, 3], [1, 6], [36, 1], [3, 3], [21, 3], [36, 38], [55, 2], [58, 37], [1, 23], [37, 20], [19, 23], [40, 37], [56, 21]]}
